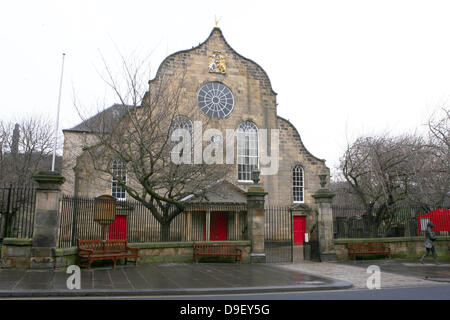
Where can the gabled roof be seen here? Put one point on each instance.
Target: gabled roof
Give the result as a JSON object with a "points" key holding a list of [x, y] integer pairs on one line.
{"points": [[220, 192], [103, 121], [219, 32]]}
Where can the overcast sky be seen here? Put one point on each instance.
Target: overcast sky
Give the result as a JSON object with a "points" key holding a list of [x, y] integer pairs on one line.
{"points": [[341, 68]]}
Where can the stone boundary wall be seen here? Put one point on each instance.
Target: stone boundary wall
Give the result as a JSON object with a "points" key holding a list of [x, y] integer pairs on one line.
{"points": [[401, 247], [154, 252], [16, 253]]}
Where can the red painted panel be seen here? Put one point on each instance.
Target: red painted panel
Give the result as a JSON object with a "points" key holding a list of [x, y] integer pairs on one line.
{"points": [[118, 229], [218, 226], [439, 217], [299, 230]]}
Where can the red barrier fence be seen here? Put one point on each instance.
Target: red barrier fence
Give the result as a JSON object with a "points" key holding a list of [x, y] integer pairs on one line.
{"points": [[439, 217]]}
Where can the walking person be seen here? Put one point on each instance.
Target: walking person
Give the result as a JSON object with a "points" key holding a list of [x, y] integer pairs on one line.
{"points": [[430, 237]]}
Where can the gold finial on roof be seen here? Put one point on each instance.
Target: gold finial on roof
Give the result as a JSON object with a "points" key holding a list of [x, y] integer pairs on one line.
{"points": [[217, 21]]}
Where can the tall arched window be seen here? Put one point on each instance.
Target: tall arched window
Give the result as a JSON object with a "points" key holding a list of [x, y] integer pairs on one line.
{"points": [[182, 122], [247, 138], [119, 174], [298, 184]]}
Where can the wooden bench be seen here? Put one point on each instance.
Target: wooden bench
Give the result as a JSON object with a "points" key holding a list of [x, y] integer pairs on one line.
{"points": [[355, 249], [217, 250], [92, 250]]}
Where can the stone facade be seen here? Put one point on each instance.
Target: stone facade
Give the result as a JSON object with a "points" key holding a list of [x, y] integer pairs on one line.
{"points": [[254, 99]]}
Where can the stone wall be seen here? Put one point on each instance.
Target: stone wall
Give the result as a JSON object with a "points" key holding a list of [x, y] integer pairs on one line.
{"points": [[154, 252], [411, 247], [15, 253]]}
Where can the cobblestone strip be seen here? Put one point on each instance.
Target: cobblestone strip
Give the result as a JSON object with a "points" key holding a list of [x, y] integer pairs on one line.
{"points": [[356, 275]]}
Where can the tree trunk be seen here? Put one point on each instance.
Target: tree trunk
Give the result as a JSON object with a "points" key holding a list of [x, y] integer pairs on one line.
{"points": [[165, 232], [371, 226]]}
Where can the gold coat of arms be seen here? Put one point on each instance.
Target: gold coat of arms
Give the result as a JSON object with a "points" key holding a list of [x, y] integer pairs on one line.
{"points": [[217, 62]]}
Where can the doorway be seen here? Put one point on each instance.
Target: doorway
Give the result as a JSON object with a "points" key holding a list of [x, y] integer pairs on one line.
{"points": [[118, 229], [299, 230], [299, 226], [218, 226]]}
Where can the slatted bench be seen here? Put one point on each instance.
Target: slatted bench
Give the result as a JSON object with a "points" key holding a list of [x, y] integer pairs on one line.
{"points": [[217, 250], [92, 250], [355, 249]]}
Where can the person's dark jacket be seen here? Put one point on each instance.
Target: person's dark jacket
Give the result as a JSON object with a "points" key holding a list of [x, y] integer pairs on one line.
{"points": [[430, 237]]}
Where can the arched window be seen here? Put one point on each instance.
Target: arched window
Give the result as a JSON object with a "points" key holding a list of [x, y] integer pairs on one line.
{"points": [[247, 150], [182, 122], [298, 184], [119, 174]]}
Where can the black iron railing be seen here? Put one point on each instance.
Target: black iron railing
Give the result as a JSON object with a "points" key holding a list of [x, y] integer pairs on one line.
{"points": [[379, 222], [278, 233], [136, 223], [17, 206]]}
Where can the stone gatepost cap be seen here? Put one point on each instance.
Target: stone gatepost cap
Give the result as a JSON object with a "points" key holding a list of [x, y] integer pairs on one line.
{"points": [[256, 189], [49, 177], [323, 195]]}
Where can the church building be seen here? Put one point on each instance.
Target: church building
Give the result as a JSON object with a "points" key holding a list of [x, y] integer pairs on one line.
{"points": [[228, 91]]}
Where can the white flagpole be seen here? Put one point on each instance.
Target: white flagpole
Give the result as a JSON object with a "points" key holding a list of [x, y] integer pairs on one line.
{"points": [[57, 114]]}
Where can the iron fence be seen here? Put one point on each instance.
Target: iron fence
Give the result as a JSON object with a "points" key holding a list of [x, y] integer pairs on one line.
{"points": [[278, 242], [17, 206], [379, 222], [135, 222]]}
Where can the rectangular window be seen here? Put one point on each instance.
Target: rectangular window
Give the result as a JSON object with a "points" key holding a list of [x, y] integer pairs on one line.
{"points": [[119, 173]]}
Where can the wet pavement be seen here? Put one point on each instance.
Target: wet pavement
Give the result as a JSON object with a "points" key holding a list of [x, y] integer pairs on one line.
{"points": [[394, 272], [413, 268], [165, 279]]}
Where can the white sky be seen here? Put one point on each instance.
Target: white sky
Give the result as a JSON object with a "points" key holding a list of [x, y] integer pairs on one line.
{"points": [[341, 68]]}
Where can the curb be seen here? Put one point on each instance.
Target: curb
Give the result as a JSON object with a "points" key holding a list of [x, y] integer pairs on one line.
{"points": [[338, 285], [437, 279]]}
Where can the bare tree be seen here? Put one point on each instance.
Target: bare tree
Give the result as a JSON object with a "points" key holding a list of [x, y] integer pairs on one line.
{"points": [[432, 182], [25, 147], [439, 132], [381, 172], [343, 197], [140, 137]]}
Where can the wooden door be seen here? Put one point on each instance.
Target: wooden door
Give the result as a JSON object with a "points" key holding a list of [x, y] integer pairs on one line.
{"points": [[299, 230], [218, 226], [118, 228]]}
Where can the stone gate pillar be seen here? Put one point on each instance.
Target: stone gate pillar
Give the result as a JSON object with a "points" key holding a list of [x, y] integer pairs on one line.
{"points": [[255, 219], [323, 198], [46, 218]]}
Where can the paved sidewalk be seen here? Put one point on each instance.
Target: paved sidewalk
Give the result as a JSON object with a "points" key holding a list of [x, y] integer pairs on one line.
{"points": [[394, 273], [410, 268], [165, 279]]}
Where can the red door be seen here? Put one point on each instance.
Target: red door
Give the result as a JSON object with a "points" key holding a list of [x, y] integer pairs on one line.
{"points": [[218, 226], [299, 230], [118, 229]]}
